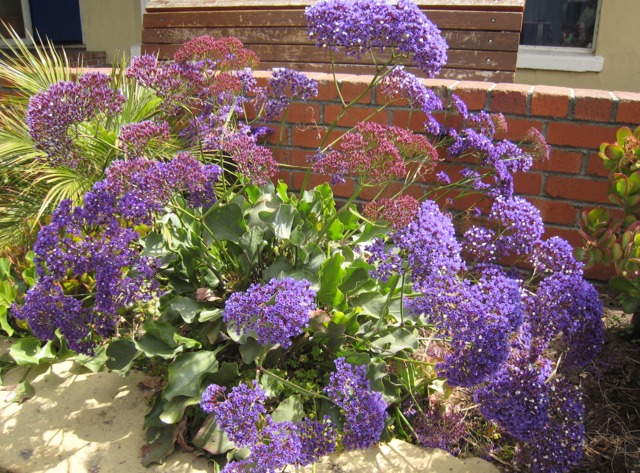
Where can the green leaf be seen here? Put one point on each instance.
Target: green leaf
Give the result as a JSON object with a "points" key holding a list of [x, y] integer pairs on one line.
{"points": [[187, 307], [185, 374], [631, 305], [5, 268], [21, 392], [291, 409], [250, 350], [4, 322], [154, 245], [161, 447], [253, 243], [29, 276], [121, 355], [399, 339], [153, 346], [281, 189], [227, 374], [212, 438], [331, 275], [210, 315], [224, 223], [173, 410], [7, 293], [94, 363], [335, 232], [620, 284], [282, 220], [29, 352]]}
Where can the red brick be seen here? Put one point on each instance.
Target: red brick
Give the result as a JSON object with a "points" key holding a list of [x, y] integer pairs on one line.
{"points": [[353, 87], [303, 113], [595, 105], [279, 135], [391, 190], [412, 120], [529, 183], [628, 107], [326, 89], [595, 166], [579, 135], [355, 115], [569, 234], [292, 157], [561, 161], [282, 175], [517, 128], [341, 190], [474, 94], [599, 272], [556, 211], [577, 188], [510, 98], [550, 101], [308, 137]]}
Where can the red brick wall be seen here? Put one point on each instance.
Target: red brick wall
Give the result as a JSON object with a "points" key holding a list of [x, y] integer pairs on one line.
{"points": [[574, 121]]}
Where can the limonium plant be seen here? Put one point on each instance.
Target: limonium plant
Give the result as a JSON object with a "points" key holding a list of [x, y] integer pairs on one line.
{"points": [[285, 325]]}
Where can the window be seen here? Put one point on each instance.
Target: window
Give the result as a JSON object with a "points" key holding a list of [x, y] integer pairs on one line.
{"points": [[569, 23], [560, 35], [15, 15]]}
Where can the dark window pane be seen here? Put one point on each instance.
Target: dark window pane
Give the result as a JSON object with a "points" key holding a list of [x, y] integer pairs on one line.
{"points": [[568, 23]]}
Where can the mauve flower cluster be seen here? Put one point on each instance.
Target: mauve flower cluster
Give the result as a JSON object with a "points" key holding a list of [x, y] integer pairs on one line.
{"points": [[52, 114], [254, 161], [273, 445], [360, 26], [284, 85], [222, 54], [275, 312], [364, 410], [398, 212], [136, 137], [375, 154], [402, 84], [438, 426]]}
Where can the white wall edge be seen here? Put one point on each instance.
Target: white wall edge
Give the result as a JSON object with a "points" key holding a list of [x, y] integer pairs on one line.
{"points": [[558, 59]]}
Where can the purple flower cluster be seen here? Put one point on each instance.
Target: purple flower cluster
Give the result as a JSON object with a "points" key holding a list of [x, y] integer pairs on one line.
{"points": [[520, 225], [430, 243], [284, 85], [275, 312], [388, 263], [402, 84], [53, 113], [555, 255], [136, 137], [254, 161], [364, 410], [273, 445], [360, 26], [479, 243]]}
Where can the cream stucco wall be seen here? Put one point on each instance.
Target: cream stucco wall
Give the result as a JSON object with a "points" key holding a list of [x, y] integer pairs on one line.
{"points": [[617, 42], [113, 26]]}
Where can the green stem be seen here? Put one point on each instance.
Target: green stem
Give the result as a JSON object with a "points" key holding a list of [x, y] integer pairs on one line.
{"points": [[293, 386]]}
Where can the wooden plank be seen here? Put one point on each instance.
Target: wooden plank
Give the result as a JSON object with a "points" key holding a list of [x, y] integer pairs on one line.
{"points": [[165, 5], [480, 40], [458, 59], [445, 19]]}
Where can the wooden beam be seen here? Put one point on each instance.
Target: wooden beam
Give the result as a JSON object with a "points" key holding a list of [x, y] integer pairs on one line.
{"points": [[445, 19]]}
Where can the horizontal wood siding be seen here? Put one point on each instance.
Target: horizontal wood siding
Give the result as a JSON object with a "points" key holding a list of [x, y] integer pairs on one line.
{"points": [[483, 35]]}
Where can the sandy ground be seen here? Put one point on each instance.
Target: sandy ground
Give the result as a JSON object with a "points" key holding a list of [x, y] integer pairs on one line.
{"points": [[92, 422]]}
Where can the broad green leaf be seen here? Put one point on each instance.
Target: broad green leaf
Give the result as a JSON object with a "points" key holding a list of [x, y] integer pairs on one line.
{"points": [[335, 232], [94, 363], [399, 339], [29, 352], [210, 315], [224, 223], [21, 392], [121, 355], [331, 275], [250, 350], [631, 305], [282, 220], [161, 447], [281, 190], [252, 243], [227, 374], [174, 410], [187, 307], [291, 409], [154, 245], [29, 276], [153, 346], [5, 268], [4, 322], [271, 385], [212, 438], [7, 294], [620, 284], [186, 372]]}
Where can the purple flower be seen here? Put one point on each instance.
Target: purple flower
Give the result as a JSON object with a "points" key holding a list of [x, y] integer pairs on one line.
{"points": [[317, 439], [254, 162], [276, 312], [211, 397], [388, 263], [480, 244], [241, 415], [136, 137], [520, 225], [280, 446], [438, 427], [360, 26], [364, 410], [401, 84], [52, 113], [555, 255], [284, 85]]}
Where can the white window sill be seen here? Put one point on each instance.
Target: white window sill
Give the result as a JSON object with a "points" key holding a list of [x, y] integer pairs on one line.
{"points": [[559, 59]]}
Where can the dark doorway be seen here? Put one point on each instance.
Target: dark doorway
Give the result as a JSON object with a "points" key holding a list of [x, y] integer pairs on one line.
{"points": [[57, 20]]}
